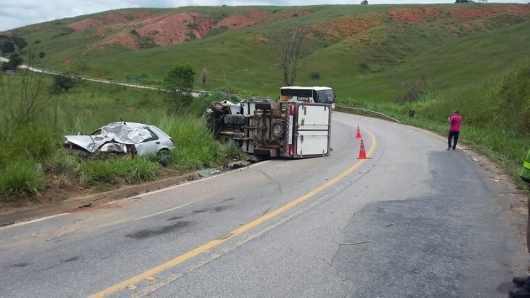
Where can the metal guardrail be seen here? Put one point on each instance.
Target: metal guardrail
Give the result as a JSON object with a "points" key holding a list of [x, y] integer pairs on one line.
{"points": [[365, 112]]}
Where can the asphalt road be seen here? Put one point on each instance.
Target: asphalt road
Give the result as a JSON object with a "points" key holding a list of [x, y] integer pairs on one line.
{"points": [[411, 220]]}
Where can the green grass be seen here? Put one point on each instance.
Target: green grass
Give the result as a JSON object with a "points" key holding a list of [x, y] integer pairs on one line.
{"points": [[34, 149], [495, 113], [238, 58], [21, 178], [479, 67], [116, 170]]}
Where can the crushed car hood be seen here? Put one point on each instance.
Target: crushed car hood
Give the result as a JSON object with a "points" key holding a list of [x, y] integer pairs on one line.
{"points": [[113, 137], [83, 141]]}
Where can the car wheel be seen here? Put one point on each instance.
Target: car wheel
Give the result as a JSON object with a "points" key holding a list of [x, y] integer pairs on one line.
{"points": [[164, 157], [163, 152]]}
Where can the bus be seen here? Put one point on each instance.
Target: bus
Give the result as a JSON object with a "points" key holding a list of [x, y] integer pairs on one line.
{"points": [[315, 94]]}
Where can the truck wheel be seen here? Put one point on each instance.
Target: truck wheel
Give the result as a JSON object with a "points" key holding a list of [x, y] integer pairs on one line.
{"points": [[278, 130], [217, 108]]}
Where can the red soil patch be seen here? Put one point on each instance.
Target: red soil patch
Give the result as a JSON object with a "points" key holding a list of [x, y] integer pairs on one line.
{"points": [[416, 15], [413, 15], [122, 38], [242, 21], [173, 28], [358, 25], [86, 24], [169, 28], [347, 27], [470, 14]]}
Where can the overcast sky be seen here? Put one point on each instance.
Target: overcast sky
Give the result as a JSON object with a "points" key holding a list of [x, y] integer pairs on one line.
{"points": [[18, 13]]}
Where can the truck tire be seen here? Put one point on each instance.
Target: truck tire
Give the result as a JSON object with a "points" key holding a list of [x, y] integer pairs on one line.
{"points": [[217, 108], [278, 130]]}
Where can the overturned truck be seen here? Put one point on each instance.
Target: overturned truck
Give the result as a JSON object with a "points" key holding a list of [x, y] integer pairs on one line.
{"points": [[273, 129]]}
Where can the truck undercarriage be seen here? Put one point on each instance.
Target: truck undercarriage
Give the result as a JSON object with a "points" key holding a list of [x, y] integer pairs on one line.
{"points": [[273, 129]]}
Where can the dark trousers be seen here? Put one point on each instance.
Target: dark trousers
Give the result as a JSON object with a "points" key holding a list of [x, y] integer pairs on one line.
{"points": [[452, 135]]}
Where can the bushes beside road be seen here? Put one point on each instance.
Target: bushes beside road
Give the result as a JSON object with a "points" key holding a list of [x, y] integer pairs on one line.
{"points": [[31, 157]]}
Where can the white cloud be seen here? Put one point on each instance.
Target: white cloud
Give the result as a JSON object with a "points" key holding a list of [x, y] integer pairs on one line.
{"points": [[18, 13]]}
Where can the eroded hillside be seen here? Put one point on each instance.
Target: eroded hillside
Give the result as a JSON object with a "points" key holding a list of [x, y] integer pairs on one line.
{"points": [[143, 28]]}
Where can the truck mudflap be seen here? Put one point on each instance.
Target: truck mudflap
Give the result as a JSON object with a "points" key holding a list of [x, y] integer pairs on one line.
{"points": [[266, 152]]}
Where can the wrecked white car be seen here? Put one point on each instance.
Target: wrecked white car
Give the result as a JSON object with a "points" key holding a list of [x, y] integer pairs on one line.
{"points": [[121, 137]]}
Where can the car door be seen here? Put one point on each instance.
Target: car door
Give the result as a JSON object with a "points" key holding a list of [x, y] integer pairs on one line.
{"points": [[150, 145]]}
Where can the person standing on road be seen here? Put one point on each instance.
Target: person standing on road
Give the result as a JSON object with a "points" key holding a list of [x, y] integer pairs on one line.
{"points": [[454, 131], [523, 282]]}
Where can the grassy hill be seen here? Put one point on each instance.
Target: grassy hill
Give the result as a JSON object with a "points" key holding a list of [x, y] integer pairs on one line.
{"points": [[470, 57], [357, 49]]}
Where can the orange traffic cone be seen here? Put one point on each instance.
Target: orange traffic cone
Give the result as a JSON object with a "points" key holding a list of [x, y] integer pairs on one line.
{"points": [[358, 133], [362, 153]]}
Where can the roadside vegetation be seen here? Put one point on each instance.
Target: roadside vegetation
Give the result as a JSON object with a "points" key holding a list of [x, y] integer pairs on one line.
{"points": [[495, 115], [32, 158], [479, 66]]}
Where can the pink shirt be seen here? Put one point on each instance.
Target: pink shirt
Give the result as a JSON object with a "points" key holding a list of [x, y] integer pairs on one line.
{"points": [[455, 122]]}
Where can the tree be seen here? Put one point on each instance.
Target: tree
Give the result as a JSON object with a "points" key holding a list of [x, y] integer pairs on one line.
{"points": [[364, 2], [288, 43], [15, 60], [20, 42], [42, 55], [181, 77], [65, 81], [8, 47], [179, 82]]}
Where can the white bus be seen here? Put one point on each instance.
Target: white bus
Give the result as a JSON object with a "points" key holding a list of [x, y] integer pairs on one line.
{"points": [[315, 94]]}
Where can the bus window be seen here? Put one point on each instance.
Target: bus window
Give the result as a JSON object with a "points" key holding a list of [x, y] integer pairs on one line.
{"points": [[308, 94]]}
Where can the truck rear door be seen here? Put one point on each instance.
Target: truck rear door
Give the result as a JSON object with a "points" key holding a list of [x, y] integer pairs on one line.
{"points": [[313, 127]]}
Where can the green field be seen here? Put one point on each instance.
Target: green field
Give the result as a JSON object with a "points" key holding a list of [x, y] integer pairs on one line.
{"points": [[470, 57]]}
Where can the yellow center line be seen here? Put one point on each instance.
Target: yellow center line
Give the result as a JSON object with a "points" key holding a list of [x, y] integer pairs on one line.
{"points": [[182, 258]]}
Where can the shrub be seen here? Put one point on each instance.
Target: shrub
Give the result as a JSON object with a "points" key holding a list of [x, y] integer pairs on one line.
{"points": [[115, 170], [314, 75], [61, 163], [98, 172], [21, 178], [137, 170]]}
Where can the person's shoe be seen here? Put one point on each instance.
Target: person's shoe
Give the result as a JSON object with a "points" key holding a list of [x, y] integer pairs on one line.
{"points": [[453, 148], [448, 148], [523, 292], [520, 280]]}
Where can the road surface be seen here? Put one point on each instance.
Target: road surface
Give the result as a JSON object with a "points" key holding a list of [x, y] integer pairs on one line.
{"points": [[411, 220]]}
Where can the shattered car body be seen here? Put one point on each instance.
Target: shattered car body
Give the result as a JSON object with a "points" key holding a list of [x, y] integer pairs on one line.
{"points": [[122, 137]]}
